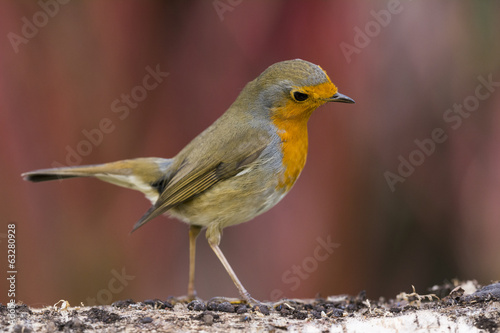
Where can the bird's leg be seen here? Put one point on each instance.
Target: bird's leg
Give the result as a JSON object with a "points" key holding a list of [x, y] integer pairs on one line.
{"points": [[243, 292], [194, 231]]}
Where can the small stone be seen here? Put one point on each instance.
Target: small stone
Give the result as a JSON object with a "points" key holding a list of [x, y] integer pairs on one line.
{"points": [[486, 293], [241, 309], [122, 303], [197, 305], [150, 302], [337, 312], [319, 308], [23, 308], [168, 305], [225, 307], [264, 309], [208, 319], [157, 304], [212, 305], [146, 320]]}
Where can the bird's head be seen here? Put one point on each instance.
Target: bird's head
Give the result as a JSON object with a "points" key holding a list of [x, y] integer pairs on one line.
{"points": [[295, 88]]}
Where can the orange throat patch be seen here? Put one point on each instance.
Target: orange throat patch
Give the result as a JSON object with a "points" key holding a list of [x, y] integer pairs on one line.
{"points": [[291, 122], [293, 134]]}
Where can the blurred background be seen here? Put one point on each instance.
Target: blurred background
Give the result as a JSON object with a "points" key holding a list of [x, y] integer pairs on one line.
{"points": [[403, 187]]}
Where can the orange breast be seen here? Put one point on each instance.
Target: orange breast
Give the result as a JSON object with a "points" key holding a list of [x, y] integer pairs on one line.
{"points": [[293, 134]]}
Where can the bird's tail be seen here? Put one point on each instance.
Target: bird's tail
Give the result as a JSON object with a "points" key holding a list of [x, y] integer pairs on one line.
{"points": [[139, 174]]}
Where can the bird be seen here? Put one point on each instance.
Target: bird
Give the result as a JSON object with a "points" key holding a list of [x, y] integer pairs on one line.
{"points": [[239, 167]]}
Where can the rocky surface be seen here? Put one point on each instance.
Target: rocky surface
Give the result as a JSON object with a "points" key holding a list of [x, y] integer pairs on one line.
{"points": [[458, 307]]}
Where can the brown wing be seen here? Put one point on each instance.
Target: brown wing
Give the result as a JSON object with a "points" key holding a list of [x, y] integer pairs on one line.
{"points": [[199, 179]]}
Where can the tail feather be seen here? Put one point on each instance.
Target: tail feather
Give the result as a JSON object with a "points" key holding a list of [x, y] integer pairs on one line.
{"points": [[42, 177], [138, 174]]}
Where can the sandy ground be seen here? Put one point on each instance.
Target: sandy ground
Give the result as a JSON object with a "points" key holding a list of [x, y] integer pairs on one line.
{"points": [[458, 307]]}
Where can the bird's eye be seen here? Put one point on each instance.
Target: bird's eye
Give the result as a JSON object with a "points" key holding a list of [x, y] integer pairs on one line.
{"points": [[299, 97]]}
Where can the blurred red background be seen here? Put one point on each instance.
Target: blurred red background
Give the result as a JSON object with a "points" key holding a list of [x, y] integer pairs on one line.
{"points": [[409, 66]]}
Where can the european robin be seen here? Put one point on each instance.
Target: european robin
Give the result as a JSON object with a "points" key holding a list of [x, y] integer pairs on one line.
{"points": [[238, 168]]}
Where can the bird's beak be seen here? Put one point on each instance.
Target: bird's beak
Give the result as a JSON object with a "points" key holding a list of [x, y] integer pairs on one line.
{"points": [[338, 97]]}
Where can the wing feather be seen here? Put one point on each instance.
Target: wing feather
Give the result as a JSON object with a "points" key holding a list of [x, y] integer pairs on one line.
{"points": [[198, 180]]}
